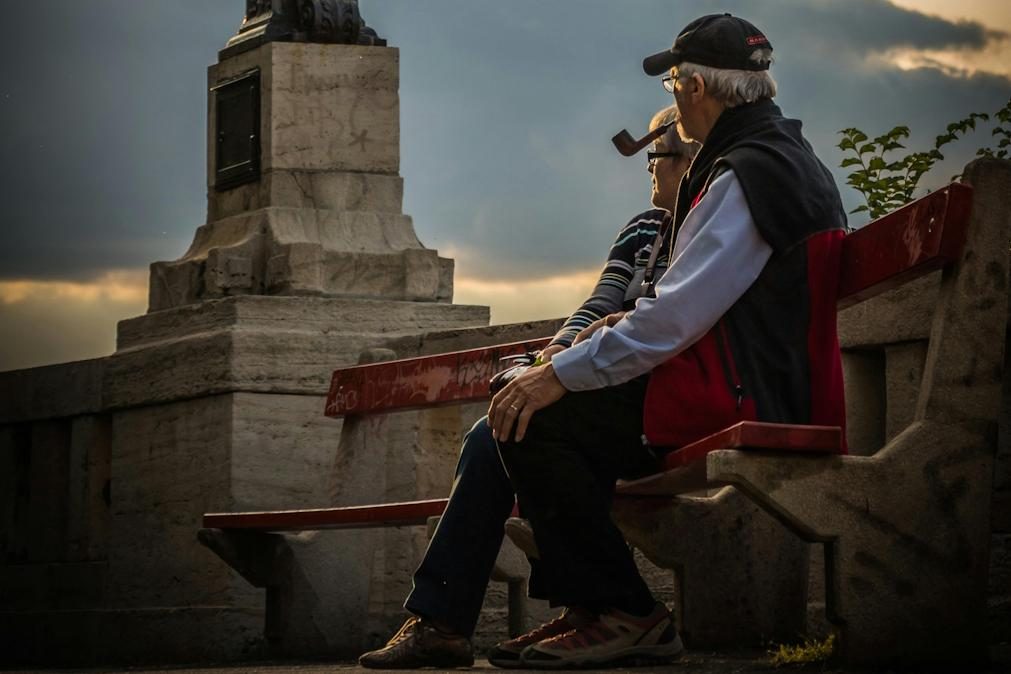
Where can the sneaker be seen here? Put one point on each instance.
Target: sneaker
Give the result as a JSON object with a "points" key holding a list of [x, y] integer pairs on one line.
{"points": [[521, 534], [417, 645], [507, 654], [614, 638]]}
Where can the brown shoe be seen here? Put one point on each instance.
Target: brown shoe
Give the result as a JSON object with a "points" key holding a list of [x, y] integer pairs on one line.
{"points": [[417, 645], [507, 653]]}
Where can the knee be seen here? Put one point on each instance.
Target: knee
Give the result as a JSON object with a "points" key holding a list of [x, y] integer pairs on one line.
{"points": [[479, 450]]}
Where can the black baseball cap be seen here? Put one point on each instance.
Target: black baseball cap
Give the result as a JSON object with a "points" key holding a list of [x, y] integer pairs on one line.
{"points": [[715, 40]]}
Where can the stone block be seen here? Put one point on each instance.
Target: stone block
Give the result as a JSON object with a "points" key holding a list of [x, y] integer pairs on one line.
{"points": [[323, 107], [48, 491], [333, 107], [1000, 566], [864, 380], [51, 391], [322, 190], [902, 544], [1000, 512], [903, 373], [261, 344], [135, 637], [170, 465], [53, 586], [89, 487], [899, 315], [301, 251], [741, 576], [281, 449], [15, 469]]}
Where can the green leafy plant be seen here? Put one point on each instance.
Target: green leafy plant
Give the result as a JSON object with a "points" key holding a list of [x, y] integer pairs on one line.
{"points": [[886, 182], [802, 654]]}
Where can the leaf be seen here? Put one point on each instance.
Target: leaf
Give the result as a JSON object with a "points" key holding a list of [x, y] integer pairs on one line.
{"points": [[849, 161], [869, 147], [860, 209]]}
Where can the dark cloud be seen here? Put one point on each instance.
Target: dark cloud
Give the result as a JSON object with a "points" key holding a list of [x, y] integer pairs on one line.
{"points": [[506, 113]]}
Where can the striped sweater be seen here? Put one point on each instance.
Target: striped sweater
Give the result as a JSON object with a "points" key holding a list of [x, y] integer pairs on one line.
{"points": [[619, 285]]}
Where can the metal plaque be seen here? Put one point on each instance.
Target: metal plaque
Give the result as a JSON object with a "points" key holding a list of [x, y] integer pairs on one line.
{"points": [[237, 155]]}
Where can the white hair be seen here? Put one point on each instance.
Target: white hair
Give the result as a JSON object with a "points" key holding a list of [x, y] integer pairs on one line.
{"points": [[671, 139], [734, 87]]}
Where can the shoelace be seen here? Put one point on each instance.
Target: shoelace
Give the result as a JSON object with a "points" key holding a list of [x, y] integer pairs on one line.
{"points": [[404, 631]]}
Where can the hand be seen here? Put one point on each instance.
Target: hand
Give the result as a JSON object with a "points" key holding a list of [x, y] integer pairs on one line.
{"points": [[606, 321], [550, 351], [533, 390]]}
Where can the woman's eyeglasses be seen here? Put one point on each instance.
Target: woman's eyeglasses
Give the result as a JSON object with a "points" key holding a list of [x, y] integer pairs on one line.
{"points": [[651, 158]]}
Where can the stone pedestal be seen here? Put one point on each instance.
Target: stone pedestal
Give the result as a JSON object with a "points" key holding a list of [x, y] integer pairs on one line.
{"points": [[324, 218], [214, 399]]}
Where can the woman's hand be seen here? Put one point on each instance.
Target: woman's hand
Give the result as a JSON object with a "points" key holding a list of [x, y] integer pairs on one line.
{"points": [[606, 321], [550, 351]]}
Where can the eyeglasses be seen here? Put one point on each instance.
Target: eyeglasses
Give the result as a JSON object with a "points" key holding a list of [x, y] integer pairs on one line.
{"points": [[669, 82], [651, 158]]}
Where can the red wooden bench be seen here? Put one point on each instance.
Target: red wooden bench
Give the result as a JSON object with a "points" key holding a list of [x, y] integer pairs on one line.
{"points": [[908, 243]]}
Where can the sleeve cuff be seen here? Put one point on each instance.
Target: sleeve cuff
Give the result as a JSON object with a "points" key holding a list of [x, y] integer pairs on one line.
{"points": [[574, 368]]}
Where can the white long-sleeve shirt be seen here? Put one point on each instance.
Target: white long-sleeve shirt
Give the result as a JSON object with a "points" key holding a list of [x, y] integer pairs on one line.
{"points": [[718, 254]]}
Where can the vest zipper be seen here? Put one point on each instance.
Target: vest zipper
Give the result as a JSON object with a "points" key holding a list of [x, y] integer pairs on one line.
{"points": [[727, 363]]}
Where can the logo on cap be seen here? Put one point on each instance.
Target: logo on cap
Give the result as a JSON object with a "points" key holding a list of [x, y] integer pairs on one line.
{"points": [[757, 39]]}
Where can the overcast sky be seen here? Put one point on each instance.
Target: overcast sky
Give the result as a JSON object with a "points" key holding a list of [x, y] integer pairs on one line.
{"points": [[506, 112]]}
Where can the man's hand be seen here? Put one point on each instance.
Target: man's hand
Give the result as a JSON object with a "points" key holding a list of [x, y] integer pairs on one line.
{"points": [[533, 390], [606, 321]]}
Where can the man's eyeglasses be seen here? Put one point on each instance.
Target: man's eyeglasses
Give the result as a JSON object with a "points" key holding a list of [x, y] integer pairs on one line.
{"points": [[669, 82], [651, 158]]}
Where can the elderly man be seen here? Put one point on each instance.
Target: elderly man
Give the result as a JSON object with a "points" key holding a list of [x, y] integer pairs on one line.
{"points": [[742, 327], [449, 585]]}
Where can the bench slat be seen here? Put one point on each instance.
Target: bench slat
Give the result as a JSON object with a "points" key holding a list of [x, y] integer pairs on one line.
{"points": [[921, 237], [416, 383], [685, 468], [408, 513]]}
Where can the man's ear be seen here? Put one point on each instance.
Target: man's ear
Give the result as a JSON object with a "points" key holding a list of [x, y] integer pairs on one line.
{"points": [[698, 89]]}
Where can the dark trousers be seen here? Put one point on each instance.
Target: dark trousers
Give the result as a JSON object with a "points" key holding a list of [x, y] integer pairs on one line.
{"points": [[450, 583], [564, 472]]}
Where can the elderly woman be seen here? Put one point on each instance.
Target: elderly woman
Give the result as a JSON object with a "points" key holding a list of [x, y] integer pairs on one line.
{"points": [[450, 583]]}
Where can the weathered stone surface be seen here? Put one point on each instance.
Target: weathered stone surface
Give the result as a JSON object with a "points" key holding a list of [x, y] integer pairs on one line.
{"points": [[260, 344], [52, 391], [864, 380], [325, 216], [1000, 512], [324, 107], [742, 576], [904, 370], [314, 190], [99, 636], [269, 431], [170, 464], [89, 487], [899, 315], [52, 586], [903, 545]]}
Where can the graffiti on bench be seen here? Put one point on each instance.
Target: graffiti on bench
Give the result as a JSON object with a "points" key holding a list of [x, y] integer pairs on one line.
{"points": [[412, 383]]}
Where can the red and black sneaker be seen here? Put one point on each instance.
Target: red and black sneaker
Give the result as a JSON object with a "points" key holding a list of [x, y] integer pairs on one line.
{"points": [[614, 638], [507, 654]]}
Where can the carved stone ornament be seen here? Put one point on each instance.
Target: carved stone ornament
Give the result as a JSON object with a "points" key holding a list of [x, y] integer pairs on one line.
{"points": [[321, 21]]}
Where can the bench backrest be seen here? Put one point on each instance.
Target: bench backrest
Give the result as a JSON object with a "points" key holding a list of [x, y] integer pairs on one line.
{"points": [[918, 238]]}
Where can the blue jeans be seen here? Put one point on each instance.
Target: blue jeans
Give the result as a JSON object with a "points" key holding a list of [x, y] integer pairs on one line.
{"points": [[450, 583]]}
